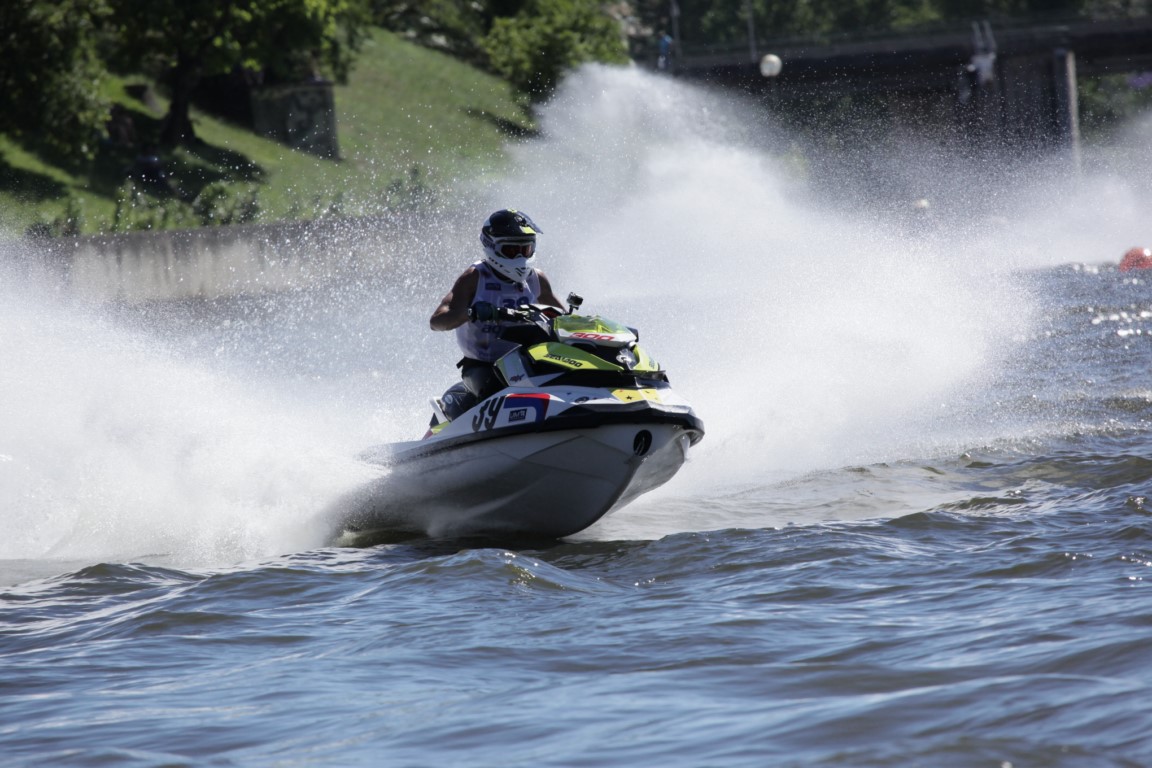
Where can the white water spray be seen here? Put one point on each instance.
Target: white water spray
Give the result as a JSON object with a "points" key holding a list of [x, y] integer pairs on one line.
{"points": [[113, 446], [808, 336], [802, 333]]}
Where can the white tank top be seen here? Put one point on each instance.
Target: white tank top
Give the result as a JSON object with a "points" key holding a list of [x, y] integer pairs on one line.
{"points": [[479, 340]]}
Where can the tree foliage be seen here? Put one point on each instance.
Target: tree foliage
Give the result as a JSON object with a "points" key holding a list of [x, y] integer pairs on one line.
{"points": [[717, 23], [529, 42], [54, 53], [189, 39], [449, 25], [50, 75], [545, 38]]}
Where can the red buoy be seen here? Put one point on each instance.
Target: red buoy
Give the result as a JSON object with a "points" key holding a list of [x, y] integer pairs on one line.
{"points": [[1136, 258]]}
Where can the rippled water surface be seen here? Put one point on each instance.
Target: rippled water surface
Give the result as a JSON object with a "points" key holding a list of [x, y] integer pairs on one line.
{"points": [[916, 534]]}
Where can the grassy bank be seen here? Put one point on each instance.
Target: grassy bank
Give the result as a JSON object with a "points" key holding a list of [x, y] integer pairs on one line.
{"points": [[410, 121]]}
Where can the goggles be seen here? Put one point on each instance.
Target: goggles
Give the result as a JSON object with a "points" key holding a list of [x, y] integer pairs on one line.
{"points": [[521, 250]]}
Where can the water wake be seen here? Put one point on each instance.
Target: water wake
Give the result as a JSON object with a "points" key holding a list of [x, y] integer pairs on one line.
{"points": [[810, 332]]}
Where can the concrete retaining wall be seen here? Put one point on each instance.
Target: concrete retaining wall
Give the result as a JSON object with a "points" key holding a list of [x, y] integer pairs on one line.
{"points": [[215, 262]]}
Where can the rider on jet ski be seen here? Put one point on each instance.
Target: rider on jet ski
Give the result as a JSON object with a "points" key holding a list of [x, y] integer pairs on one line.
{"points": [[505, 277]]}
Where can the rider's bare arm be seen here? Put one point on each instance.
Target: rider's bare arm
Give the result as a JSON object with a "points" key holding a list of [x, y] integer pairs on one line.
{"points": [[453, 309], [547, 295]]}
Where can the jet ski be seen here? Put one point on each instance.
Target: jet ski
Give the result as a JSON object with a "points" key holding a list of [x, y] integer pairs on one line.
{"points": [[585, 423]]}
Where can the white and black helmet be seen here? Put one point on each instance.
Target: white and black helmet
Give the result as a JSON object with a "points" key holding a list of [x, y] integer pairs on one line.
{"points": [[509, 240]]}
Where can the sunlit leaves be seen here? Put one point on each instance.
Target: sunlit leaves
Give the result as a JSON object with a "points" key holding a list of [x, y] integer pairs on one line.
{"points": [[50, 75], [535, 47]]}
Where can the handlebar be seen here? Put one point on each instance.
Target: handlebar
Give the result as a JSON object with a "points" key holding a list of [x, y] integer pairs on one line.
{"points": [[508, 314], [526, 313]]}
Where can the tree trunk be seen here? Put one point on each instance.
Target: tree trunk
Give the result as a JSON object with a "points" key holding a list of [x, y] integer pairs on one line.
{"points": [[177, 127]]}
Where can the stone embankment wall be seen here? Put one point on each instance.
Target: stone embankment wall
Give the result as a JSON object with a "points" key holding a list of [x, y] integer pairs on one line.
{"points": [[226, 261]]}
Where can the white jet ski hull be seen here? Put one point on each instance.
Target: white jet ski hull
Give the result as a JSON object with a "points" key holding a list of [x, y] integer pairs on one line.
{"points": [[538, 484]]}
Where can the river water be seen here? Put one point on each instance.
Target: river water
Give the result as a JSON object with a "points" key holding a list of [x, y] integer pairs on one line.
{"points": [[916, 533]]}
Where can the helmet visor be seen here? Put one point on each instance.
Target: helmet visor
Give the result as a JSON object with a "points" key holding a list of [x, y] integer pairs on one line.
{"points": [[516, 250]]}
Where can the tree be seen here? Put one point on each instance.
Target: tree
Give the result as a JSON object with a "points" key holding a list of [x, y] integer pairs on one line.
{"points": [[447, 25], [545, 38], [189, 39], [50, 75]]}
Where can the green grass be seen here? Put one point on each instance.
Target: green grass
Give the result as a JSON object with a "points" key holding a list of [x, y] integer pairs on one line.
{"points": [[410, 123]]}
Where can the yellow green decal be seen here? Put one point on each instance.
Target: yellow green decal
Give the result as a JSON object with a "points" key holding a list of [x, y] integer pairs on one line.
{"points": [[634, 395], [566, 356]]}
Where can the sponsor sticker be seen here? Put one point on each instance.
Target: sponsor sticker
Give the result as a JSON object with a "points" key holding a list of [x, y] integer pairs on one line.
{"points": [[569, 361], [527, 407], [593, 336]]}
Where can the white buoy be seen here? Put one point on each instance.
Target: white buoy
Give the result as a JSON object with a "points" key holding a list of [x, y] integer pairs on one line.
{"points": [[770, 65]]}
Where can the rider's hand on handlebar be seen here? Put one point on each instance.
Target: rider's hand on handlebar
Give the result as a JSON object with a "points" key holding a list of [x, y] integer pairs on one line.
{"points": [[483, 312]]}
